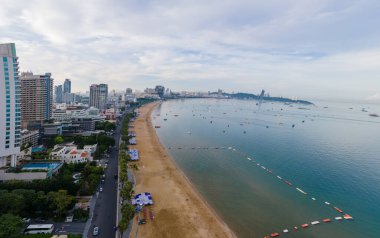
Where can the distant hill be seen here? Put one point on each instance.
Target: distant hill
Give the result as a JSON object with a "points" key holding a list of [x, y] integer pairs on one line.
{"points": [[256, 97]]}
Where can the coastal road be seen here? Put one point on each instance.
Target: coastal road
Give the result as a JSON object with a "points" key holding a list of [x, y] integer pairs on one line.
{"points": [[105, 208]]}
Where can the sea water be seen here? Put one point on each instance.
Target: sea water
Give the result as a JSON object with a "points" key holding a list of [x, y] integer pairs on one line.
{"points": [[329, 150]]}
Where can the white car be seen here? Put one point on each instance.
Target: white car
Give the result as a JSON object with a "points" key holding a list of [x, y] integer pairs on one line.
{"points": [[69, 219], [95, 232], [101, 189]]}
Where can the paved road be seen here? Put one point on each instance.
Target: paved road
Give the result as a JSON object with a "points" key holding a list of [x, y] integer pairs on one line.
{"points": [[105, 208], [69, 228]]}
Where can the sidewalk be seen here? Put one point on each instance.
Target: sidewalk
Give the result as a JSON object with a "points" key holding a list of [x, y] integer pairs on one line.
{"points": [[89, 220]]}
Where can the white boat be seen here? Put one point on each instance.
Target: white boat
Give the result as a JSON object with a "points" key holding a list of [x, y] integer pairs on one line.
{"points": [[301, 191], [327, 203], [279, 177], [286, 231], [315, 222], [313, 199], [338, 218]]}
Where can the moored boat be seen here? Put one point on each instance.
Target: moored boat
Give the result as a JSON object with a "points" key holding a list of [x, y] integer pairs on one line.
{"points": [[339, 210]]}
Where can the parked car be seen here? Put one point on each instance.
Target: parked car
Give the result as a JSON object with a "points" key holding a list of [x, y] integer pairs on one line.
{"points": [[95, 232], [69, 219], [101, 189]]}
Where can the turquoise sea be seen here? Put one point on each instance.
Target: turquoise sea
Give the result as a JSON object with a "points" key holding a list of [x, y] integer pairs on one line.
{"points": [[233, 151]]}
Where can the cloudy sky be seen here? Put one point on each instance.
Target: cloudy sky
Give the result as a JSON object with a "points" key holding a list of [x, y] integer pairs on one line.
{"points": [[311, 49]]}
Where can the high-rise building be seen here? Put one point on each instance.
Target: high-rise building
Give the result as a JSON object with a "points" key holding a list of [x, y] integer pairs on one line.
{"points": [[160, 90], [67, 86], [98, 96], [10, 113], [129, 91], [36, 97], [58, 94]]}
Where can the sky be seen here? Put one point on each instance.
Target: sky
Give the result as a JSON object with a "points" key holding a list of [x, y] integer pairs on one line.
{"points": [[309, 49]]}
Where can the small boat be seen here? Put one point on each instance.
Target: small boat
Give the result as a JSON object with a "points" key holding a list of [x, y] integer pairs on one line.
{"points": [[165, 119], [305, 225], [295, 228], [274, 234], [327, 220], [347, 217], [315, 222], [373, 115], [301, 191], [279, 177], [285, 231], [336, 208], [313, 199], [288, 183], [338, 218], [327, 203]]}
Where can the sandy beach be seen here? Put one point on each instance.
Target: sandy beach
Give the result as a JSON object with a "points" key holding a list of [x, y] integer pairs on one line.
{"points": [[178, 209]]}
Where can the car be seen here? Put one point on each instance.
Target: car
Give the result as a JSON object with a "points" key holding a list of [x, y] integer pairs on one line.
{"points": [[142, 221], [101, 189], [69, 219], [95, 232], [26, 220]]}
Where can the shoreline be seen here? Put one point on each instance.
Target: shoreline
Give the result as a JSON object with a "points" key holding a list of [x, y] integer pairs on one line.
{"points": [[179, 209]]}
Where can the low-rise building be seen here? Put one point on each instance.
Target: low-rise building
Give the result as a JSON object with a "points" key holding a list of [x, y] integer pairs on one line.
{"points": [[70, 153], [30, 138]]}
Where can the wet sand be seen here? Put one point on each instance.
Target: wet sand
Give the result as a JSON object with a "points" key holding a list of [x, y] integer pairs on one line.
{"points": [[178, 208]]}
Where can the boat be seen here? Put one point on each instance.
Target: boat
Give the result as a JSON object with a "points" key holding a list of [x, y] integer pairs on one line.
{"points": [[327, 203], [295, 228], [305, 225], [157, 126], [301, 191], [288, 183], [336, 208], [315, 222], [327, 220], [285, 231], [313, 199], [338, 218], [279, 177], [347, 217], [274, 234], [165, 119], [373, 115]]}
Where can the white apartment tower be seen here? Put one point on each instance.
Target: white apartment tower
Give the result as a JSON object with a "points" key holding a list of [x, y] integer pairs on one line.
{"points": [[10, 111]]}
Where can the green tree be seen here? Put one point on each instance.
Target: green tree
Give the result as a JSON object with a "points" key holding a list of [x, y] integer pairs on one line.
{"points": [[128, 211], [123, 225], [61, 201], [10, 226], [58, 140]]}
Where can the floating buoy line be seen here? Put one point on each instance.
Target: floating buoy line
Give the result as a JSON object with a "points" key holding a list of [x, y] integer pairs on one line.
{"points": [[342, 215]]}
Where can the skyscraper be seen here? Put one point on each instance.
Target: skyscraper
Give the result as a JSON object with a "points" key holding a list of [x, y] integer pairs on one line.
{"points": [[160, 90], [67, 86], [98, 96], [10, 113], [36, 97], [58, 94]]}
